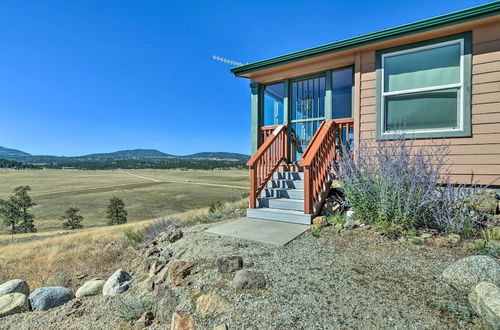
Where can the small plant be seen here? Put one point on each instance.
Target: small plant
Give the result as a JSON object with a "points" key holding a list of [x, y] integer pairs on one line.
{"points": [[132, 308], [337, 217], [462, 313], [72, 219], [135, 237], [116, 212], [168, 223], [316, 232], [215, 207]]}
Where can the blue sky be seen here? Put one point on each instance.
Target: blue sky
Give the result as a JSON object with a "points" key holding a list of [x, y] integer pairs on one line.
{"points": [[84, 76]]}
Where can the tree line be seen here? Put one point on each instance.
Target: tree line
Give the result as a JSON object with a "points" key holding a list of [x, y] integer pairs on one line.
{"points": [[207, 164], [15, 212]]}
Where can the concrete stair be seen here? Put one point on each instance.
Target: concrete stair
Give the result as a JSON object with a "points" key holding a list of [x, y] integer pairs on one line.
{"points": [[283, 199]]}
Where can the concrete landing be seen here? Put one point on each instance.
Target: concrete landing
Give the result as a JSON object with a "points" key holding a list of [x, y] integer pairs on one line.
{"points": [[264, 231]]}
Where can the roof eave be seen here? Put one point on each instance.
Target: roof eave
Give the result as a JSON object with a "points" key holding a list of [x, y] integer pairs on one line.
{"points": [[478, 12]]}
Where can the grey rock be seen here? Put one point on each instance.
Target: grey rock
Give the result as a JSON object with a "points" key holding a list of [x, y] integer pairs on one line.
{"points": [[170, 236], [467, 272], [229, 264], [350, 223], [13, 303], [13, 286], [485, 201], [485, 300], [90, 288], [245, 279], [118, 283], [49, 297]]}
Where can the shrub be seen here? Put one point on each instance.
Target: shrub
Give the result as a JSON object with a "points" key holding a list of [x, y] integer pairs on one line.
{"points": [[135, 237], [116, 212], [394, 184]]}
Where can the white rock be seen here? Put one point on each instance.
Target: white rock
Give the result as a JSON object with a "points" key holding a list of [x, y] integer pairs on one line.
{"points": [[118, 283], [485, 300], [13, 303], [13, 286], [465, 273], [90, 288]]}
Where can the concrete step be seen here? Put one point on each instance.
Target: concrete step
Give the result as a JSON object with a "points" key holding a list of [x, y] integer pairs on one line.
{"points": [[297, 184], [280, 215], [288, 176], [283, 193], [281, 203]]}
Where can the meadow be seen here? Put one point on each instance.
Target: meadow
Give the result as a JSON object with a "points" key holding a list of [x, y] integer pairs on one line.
{"points": [[147, 194]]}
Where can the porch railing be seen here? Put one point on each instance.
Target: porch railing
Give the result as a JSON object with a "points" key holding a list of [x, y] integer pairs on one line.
{"points": [[317, 160], [266, 160], [265, 132]]}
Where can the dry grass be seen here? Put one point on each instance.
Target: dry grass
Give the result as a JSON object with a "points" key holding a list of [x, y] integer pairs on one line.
{"points": [[68, 260], [147, 193]]}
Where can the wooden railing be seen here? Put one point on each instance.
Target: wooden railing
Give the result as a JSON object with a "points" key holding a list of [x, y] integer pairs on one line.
{"points": [[317, 161], [266, 160], [265, 132]]}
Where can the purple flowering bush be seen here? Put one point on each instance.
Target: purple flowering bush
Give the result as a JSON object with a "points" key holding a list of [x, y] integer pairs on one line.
{"points": [[395, 183]]}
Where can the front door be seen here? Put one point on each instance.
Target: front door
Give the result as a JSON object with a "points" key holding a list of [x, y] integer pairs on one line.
{"points": [[308, 112]]}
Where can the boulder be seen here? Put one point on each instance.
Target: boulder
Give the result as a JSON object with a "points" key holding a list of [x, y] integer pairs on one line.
{"points": [[245, 279], [467, 272], [165, 302], [13, 286], [350, 223], [449, 241], [221, 327], [208, 304], [49, 297], [229, 264], [178, 271], [485, 300], [90, 288], [145, 320], [13, 303], [182, 321], [118, 283], [169, 236], [485, 201], [320, 222]]}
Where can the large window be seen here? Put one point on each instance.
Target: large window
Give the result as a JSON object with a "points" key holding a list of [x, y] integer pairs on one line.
{"points": [[273, 104], [342, 83], [423, 89]]}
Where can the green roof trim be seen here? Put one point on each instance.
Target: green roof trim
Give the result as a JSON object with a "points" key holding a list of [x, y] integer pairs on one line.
{"points": [[470, 14]]}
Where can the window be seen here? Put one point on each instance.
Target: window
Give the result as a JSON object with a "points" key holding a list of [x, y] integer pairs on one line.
{"points": [[425, 89], [273, 104], [342, 83]]}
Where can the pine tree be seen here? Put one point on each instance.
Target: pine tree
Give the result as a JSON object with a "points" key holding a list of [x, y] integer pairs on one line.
{"points": [[24, 203], [73, 219], [10, 214], [116, 212]]}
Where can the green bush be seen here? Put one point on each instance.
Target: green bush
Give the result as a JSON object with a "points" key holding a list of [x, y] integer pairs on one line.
{"points": [[135, 237]]}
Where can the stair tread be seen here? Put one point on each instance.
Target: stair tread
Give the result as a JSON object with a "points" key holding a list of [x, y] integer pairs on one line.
{"points": [[284, 199], [275, 210], [291, 189]]}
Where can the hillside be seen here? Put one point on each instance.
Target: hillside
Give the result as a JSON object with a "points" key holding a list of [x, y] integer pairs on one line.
{"points": [[121, 155]]}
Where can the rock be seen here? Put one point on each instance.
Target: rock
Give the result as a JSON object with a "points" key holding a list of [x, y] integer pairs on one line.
{"points": [[182, 321], [161, 276], [90, 288], [13, 286], [145, 320], [156, 266], [170, 236], [49, 297], [485, 300], [208, 304], [485, 201], [426, 236], [320, 221], [245, 279], [229, 264], [467, 272], [349, 223], [13, 303], [178, 271], [151, 252], [118, 283], [165, 303], [221, 327], [450, 240]]}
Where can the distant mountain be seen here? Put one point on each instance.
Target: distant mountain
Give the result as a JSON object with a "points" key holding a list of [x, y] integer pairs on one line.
{"points": [[134, 153], [219, 156], [12, 152], [146, 154]]}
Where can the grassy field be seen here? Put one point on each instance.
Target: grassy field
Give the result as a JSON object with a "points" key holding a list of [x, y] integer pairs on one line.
{"points": [[147, 193]]}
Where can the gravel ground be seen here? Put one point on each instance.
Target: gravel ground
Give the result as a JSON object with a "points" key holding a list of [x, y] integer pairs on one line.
{"points": [[355, 280]]}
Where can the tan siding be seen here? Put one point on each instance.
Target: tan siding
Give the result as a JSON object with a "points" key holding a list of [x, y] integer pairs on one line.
{"points": [[475, 158]]}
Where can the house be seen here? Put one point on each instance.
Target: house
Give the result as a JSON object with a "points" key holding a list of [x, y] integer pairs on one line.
{"points": [[440, 76]]}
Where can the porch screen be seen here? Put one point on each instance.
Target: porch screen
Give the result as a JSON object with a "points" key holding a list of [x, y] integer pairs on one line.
{"points": [[273, 104], [422, 87]]}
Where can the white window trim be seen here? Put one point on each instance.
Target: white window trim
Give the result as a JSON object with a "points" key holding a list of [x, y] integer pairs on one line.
{"points": [[459, 86]]}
